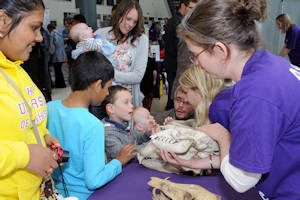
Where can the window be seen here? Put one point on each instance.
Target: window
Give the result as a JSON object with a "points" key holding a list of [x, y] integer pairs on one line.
{"points": [[110, 2], [101, 2]]}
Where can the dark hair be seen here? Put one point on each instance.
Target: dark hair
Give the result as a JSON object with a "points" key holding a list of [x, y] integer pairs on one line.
{"points": [[88, 68], [111, 97], [17, 9], [226, 21], [187, 2], [51, 27], [114, 7], [285, 21], [122, 10], [79, 18]]}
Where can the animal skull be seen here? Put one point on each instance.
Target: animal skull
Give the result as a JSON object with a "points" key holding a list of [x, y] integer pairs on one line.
{"points": [[183, 140], [177, 191]]}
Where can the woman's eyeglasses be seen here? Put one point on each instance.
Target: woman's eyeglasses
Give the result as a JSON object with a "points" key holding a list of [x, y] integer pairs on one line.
{"points": [[194, 57]]}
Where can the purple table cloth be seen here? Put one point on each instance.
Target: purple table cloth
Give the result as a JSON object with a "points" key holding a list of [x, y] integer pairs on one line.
{"points": [[131, 184]]}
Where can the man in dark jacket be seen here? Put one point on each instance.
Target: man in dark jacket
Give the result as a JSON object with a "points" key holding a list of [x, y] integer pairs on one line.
{"points": [[171, 42]]}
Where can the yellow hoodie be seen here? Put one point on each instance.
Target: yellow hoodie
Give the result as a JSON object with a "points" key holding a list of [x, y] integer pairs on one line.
{"points": [[16, 132]]}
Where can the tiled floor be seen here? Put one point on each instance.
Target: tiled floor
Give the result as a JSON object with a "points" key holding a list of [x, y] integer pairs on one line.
{"points": [[158, 104], [60, 93]]}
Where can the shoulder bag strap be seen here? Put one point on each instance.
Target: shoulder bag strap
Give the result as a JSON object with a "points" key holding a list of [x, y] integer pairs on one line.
{"points": [[35, 130]]}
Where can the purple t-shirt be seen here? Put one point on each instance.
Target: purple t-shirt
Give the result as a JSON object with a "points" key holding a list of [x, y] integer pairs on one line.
{"points": [[265, 124], [220, 107], [292, 41]]}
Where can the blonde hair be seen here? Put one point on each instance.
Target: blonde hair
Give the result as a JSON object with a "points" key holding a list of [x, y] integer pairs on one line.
{"points": [[76, 31], [197, 79], [286, 22], [137, 114]]}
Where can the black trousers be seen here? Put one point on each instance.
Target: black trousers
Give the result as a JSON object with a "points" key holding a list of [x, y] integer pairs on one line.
{"points": [[59, 78]]}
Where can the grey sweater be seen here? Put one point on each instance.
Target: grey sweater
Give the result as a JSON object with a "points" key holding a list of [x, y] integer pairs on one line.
{"points": [[117, 135]]}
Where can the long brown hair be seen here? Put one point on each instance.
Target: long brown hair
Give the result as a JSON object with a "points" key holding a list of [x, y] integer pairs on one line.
{"points": [[226, 21], [123, 8]]}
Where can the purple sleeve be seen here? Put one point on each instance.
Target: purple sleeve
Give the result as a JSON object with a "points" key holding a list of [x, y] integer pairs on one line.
{"points": [[219, 109], [291, 38], [220, 116], [255, 127]]}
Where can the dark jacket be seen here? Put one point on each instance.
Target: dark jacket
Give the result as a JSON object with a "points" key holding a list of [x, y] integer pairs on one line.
{"points": [[171, 42]]}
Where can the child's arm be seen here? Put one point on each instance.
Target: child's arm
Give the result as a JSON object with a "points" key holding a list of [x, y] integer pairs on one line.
{"points": [[140, 137], [107, 48], [76, 52], [96, 172], [113, 145]]}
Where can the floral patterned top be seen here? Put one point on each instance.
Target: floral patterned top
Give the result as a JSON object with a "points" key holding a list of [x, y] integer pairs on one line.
{"points": [[122, 59], [139, 55]]}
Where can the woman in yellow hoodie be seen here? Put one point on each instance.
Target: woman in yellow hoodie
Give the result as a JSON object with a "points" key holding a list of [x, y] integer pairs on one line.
{"points": [[23, 162]]}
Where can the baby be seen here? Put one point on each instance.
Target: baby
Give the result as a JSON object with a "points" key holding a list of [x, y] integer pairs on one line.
{"points": [[88, 41], [143, 121], [117, 124]]}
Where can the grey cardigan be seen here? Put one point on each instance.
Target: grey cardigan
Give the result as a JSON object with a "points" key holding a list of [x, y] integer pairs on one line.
{"points": [[139, 54], [117, 136]]}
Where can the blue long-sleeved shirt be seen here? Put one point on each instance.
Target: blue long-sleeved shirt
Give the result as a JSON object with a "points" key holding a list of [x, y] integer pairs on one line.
{"points": [[82, 134]]}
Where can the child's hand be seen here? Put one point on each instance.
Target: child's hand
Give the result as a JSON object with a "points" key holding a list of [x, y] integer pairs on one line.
{"points": [[155, 128], [168, 120], [84, 47], [49, 139], [126, 153]]}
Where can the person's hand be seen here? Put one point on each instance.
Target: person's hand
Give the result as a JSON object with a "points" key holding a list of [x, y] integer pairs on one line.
{"points": [[171, 157], [84, 46], [126, 153], [154, 82], [168, 120], [220, 134], [42, 160], [49, 139], [66, 64], [216, 131], [153, 128]]}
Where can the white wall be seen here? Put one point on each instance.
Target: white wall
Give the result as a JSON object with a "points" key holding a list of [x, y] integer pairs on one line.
{"points": [[57, 9], [270, 34], [155, 8], [151, 8]]}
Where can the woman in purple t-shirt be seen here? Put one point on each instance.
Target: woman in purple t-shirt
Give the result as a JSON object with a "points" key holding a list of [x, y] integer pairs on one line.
{"points": [[262, 148], [292, 38]]}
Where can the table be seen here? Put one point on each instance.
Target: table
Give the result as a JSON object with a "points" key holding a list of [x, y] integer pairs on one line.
{"points": [[131, 184]]}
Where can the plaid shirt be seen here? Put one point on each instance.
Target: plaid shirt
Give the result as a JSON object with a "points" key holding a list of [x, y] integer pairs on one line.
{"points": [[118, 135]]}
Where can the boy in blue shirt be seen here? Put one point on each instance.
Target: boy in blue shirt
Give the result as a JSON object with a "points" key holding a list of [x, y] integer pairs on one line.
{"points": [[81, 133]]}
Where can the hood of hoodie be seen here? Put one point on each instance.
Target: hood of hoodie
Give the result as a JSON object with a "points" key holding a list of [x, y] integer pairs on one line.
{"points": [[6, 63]]}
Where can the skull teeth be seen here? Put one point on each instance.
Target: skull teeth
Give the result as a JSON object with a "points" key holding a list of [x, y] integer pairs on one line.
{"points": [[165, 140]]}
